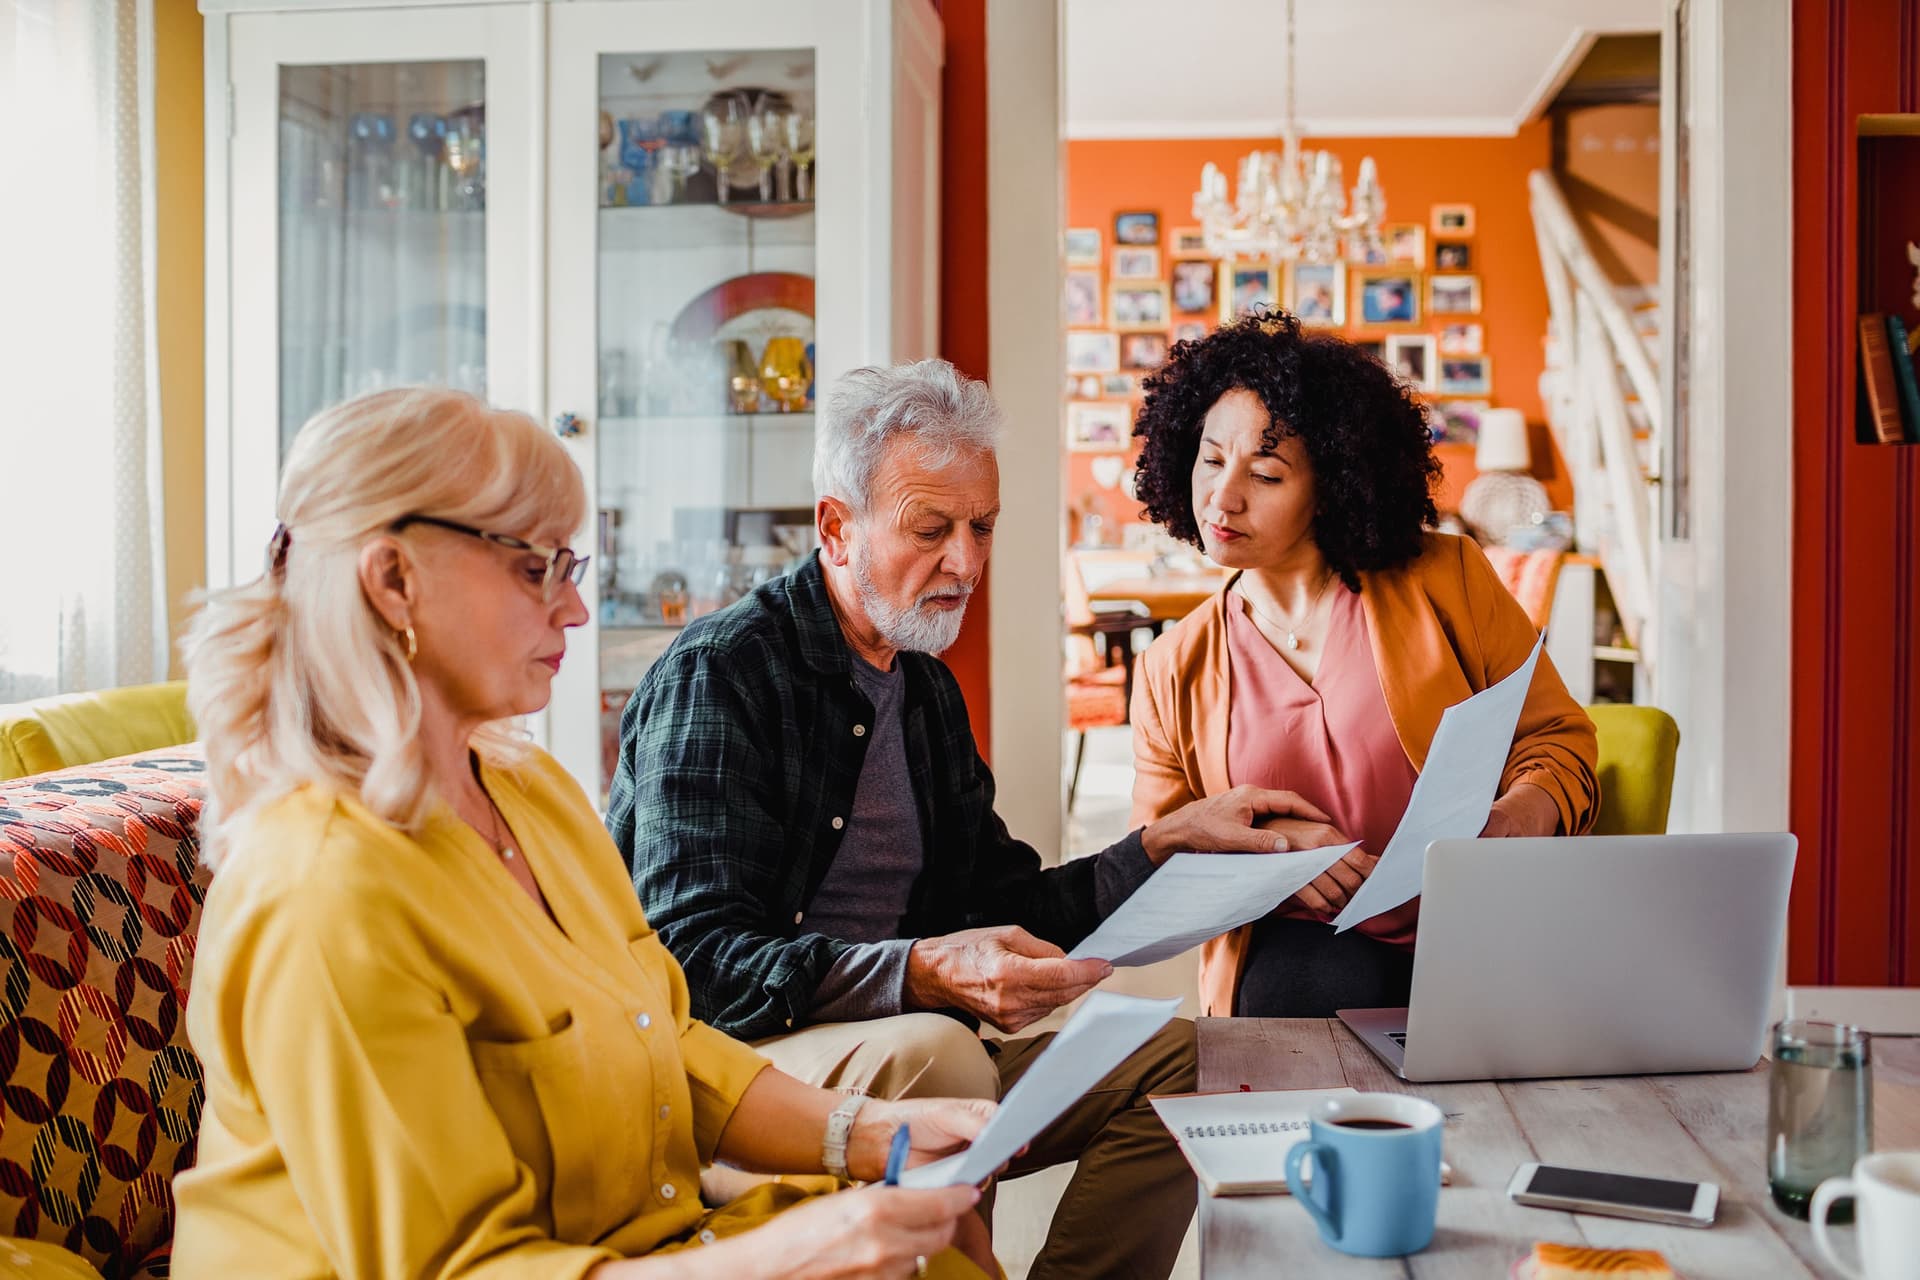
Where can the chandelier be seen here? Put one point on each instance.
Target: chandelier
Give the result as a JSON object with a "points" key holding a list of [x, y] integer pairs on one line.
{"points": [[1290, 203]]}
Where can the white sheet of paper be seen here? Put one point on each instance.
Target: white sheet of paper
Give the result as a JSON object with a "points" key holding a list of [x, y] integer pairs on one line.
{"points": [[1195, 897], [1096, 1039], [1452, 795]]}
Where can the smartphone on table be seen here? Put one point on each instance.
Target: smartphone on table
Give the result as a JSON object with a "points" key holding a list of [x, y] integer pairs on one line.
{"points": [[1617, 1195]]}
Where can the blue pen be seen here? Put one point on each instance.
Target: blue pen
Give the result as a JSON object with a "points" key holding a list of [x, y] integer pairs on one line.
{"points": [[897, 1155]]}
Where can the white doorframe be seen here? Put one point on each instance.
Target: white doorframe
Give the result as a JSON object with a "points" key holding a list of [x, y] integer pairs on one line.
{"points": [[1025, 171], [1726, 608]]}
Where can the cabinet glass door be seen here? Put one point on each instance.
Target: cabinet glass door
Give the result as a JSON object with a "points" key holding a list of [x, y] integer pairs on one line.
{"points": [[705, 267], [382, 230]]}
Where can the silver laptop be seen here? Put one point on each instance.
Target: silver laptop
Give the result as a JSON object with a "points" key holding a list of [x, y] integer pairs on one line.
{"points": [[1594, 956]]}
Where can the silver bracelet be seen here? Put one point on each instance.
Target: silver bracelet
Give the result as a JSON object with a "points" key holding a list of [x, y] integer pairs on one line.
{"points": [[833, 1151]]}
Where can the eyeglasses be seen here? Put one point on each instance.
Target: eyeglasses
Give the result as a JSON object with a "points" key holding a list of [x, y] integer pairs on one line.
{"points": [[562, 563]]}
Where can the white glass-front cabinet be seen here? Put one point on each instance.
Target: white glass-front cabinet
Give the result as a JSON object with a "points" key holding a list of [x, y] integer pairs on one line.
{"points": [[659, 226]]}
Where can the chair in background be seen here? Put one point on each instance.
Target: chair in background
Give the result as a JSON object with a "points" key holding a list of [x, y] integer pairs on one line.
{"points": [[1099, 659], [1637, 750], [84, 728]]}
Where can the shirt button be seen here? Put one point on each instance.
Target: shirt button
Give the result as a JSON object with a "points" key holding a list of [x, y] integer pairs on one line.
{"points": [[789, 1021], [839, 823], [798, 916], [665, 1111], [644, 1021], [667, 1192], [859, 731], [707, 1237]]}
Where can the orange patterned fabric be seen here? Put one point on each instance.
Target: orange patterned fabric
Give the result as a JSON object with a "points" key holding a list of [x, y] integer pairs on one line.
{"points": [[100, 1096]]}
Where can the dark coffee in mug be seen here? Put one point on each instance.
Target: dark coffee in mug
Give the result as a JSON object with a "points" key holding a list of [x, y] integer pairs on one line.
{"points": [[1371, 1124]]}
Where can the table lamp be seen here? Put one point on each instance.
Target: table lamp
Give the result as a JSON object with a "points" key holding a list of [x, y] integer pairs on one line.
{"points": [[1503, 496]]}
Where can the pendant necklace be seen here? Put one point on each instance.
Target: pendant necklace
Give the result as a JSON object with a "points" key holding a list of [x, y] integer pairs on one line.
{"points": [[1292, 639]]}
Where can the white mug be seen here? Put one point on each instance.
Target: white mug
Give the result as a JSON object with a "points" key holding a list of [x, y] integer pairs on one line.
{"points": [[1886, 1191]]}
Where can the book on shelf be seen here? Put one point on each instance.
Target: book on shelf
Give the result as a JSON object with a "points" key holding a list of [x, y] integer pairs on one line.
{"points": [[1877, 371], [1900, 353]]}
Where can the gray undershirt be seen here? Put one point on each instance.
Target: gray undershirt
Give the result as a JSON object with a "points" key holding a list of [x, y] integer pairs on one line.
{"points": [[864, 895]]}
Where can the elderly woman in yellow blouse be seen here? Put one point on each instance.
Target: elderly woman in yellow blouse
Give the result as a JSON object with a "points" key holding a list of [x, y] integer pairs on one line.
{"points": [[439, 1037]]}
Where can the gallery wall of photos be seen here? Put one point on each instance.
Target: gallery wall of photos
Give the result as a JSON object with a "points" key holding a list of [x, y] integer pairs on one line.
{"points": [[1450, 306]]}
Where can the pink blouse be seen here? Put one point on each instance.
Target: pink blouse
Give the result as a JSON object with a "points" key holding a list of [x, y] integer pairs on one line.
{"points": [[1331, 741]]}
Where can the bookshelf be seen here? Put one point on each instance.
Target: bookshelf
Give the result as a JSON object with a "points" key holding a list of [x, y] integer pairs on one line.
{"points": [[1887, 148]]}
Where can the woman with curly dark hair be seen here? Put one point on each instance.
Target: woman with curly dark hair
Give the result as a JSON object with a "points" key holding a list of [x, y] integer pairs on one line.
{"points": [[1324, 664]]}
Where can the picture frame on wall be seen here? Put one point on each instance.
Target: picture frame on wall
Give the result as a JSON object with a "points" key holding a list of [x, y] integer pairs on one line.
{"points": [[1093, 351], [1413, 357], [1187, 242], [1317, 293], [1453, 295], [1466, 376], [1192, 281], [1246, 286], [1386, 298], [1135, 305], [1081, 246], [1462, 338], [1136, 226], [1119, 386], [1406, 242], [1462, 419], [1452, 220], [1189, 330], [1131, 262], [1099, 428], [1082, 303], [1452, 255], [1375, 347], [1143, 352], [1084, 386]]}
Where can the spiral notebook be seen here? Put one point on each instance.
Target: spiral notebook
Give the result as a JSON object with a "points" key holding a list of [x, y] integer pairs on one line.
{"points": [[1237, 1143]]}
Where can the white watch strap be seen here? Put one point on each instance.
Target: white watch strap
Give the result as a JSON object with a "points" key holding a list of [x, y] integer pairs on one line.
{"points": [[833, 1152]]}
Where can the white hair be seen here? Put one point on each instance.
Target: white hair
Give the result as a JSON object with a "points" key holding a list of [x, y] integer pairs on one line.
{"points": [[928, 402], [293, 677]]}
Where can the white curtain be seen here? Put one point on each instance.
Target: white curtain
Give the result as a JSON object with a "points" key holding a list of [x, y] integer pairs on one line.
{"points": [[82, 599]]}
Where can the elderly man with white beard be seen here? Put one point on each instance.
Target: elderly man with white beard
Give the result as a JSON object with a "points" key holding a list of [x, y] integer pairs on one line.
{"points": [[811, 829]]}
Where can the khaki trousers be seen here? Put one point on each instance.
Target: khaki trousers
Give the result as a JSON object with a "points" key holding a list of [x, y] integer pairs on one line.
{"points": [[1127, 1206]]}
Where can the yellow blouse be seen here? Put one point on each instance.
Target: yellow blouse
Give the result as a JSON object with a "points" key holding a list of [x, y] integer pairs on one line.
{"points": [[410, 1071]]}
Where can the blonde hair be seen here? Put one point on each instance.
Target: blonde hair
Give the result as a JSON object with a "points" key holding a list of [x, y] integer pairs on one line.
{"points": [[294, 678]]}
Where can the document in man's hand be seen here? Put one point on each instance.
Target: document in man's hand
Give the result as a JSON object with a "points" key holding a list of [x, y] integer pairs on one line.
{"points": [[1452, 795], [1097, 1038], [1196, 897], [1237, 1143]]}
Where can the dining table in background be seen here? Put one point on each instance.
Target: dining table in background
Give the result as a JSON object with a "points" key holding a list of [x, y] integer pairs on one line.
{"points": [[1707, 1127], [1168, 597]]}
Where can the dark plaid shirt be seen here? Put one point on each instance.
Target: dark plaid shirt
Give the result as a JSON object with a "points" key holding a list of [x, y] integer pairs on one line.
{"points": [[738, 763]]}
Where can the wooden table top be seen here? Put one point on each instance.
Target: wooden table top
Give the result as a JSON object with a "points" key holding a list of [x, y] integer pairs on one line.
{"points": [[1708, 1128], [1168, 596]]}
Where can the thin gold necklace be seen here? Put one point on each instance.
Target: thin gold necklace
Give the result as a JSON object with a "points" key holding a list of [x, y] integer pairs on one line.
{"points": [[1293, 640], [497, 822]]}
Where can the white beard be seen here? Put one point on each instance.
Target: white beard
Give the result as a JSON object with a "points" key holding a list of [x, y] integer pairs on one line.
{"points": [[919, 629]]}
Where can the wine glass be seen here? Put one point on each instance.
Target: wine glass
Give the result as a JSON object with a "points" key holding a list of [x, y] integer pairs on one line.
{"points": [[724, 120], [466, 156], [800, 149], [767, 137]]}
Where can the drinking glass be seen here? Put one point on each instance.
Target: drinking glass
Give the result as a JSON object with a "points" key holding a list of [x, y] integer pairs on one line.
{"points": [[724, 121], [767, 138], [785, 373], [1819, 1110], [800, 150]]}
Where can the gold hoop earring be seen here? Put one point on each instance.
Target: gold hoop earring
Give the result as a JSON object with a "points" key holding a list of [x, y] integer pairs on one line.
{"points": [[413, 644]]}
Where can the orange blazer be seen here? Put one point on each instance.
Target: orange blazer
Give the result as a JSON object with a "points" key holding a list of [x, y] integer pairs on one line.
{"points": [[1442, 629]]}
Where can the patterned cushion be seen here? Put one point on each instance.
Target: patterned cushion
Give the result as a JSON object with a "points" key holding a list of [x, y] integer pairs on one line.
{"points": [[100, 893]]}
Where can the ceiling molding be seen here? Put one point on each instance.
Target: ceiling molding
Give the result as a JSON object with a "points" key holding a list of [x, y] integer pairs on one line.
{"points": [[1557, 74], [1310, 129]]}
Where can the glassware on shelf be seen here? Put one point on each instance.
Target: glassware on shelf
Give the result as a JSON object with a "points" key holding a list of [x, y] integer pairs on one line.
{"points": [[370, 167], [724, 136], [639, 141], [743, 377], [786, 373], [767, 139], [466, 147], [423, 188], [799, 127]]}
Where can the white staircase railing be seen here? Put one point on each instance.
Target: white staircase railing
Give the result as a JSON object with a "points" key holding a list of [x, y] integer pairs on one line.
{"points": [[1595, 357]]}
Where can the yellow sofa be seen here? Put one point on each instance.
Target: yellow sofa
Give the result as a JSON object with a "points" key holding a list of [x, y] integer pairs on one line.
{"points": [[84, 728]]}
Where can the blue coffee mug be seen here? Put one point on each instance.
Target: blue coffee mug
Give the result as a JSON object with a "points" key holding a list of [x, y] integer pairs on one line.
{"points": [[1376, 1173]]}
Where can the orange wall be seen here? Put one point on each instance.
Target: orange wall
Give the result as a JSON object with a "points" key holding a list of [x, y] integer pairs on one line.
{"points": [[1608, 162], [1104, 178]]}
